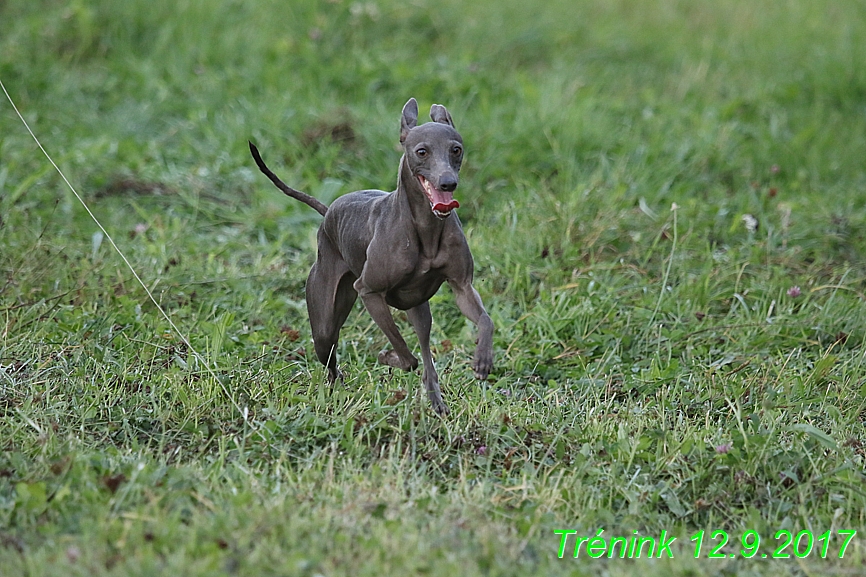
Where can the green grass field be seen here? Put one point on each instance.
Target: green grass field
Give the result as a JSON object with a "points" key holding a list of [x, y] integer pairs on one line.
{"points": [[660, 366]]}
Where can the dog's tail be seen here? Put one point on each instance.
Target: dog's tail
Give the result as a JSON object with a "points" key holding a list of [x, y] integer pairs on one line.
{"points": [[296, 194]]}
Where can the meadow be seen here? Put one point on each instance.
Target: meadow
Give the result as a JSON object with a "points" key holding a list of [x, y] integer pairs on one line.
{"points": [[665, 202]]}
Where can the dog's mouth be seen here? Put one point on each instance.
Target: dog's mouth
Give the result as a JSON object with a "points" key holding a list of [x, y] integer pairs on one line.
{"points": [[441, 201]]}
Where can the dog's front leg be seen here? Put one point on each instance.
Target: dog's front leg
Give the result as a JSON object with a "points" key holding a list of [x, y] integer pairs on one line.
{"points": [[422, 320], [400, 356], [472, 308]]}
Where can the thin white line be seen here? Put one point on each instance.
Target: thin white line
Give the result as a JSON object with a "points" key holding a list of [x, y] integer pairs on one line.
{"points": [[122, 256]]}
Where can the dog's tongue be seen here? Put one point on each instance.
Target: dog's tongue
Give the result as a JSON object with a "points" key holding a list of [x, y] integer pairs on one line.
{"points": [[446, 206], [440, 200]]}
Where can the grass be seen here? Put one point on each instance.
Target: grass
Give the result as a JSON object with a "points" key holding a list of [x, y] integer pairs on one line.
{"points": [[656, 368]]}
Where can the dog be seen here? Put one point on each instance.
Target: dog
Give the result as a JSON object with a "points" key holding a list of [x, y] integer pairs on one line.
{"points": [[396, 249]]}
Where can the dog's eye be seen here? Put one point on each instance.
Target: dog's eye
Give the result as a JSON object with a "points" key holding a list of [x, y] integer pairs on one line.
{"points": [[422, 152], [456, 150]]}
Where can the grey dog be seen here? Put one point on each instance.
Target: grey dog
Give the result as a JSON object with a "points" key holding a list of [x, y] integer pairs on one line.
{"points": [[396, 249]]}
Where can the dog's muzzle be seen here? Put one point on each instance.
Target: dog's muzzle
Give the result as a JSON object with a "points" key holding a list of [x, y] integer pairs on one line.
{"points": [[441, 201]]}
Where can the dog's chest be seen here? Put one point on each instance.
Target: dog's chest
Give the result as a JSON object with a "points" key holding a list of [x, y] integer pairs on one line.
{"points": [[417, 285], [412, 265]]}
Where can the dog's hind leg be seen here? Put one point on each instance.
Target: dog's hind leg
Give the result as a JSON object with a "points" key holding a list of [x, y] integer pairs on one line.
{"points": [[422, 320], [330, 297]]}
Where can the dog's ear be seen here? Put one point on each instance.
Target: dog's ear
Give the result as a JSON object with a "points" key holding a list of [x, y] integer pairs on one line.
{"points": [[439, 114], [409, 120]]}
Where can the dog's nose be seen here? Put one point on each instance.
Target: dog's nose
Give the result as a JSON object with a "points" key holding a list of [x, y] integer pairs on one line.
{"points": [[448, 184]]}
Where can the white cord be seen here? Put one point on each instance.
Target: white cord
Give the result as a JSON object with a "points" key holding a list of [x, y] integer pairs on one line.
{"points": [[183, 338]]}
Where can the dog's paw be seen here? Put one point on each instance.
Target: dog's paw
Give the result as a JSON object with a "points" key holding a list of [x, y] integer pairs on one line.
{"points": [[391, 358], [482, 364], [441, 408], [434, 393], [335, 375]]}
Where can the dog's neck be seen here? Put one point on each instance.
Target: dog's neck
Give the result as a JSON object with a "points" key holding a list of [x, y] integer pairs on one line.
{"points": [[411, 196]]}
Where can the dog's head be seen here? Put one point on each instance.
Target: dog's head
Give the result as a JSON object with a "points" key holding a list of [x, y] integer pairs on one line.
{"points": [[433, 153]]}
